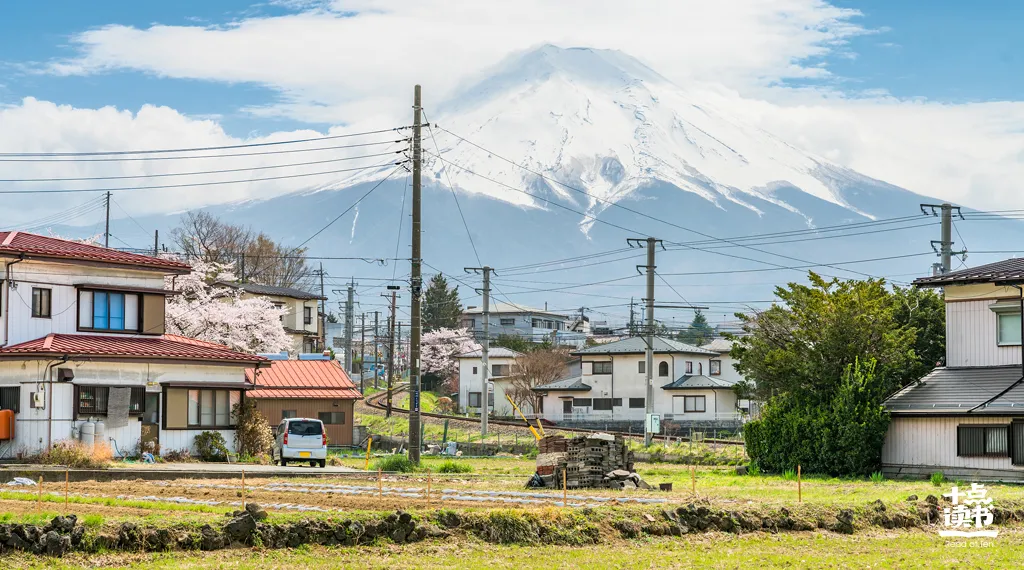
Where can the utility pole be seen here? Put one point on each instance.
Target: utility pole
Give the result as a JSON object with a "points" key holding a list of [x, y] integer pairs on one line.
{"points": [[632, 328], [156, 243], [650, 243], [362, 351], [349, 321], [945, 243], [484, 345], [106, 232], [376, 347], [391, 346], [416, 285]]}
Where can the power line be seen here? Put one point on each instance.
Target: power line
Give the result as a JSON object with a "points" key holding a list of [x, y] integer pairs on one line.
{"points": [[198, 184], [71, 160], [198, 173], [199, 149], [469, 234], [401, 222]]}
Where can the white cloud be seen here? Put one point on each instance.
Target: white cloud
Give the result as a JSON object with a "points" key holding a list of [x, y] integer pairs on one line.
{"points": [[354, 61]]}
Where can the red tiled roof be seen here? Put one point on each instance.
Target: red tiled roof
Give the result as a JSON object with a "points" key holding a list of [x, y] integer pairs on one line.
{"points": [[33, 245], [302, 379], [166, 347]]}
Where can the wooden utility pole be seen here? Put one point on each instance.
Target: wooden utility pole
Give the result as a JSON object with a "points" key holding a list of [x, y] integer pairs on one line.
{"points": [[416, 286], [362, 351], [391, 348], [485, 344], [376, 347]]}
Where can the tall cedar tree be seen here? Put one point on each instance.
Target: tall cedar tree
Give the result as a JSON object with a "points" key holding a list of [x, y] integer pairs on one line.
{"points": [[441, 306], [699, 332]]}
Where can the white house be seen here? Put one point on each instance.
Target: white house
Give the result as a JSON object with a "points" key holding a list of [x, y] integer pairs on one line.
{"points": [[690, 389], [82, 337], [966, 418], [501, 361]]}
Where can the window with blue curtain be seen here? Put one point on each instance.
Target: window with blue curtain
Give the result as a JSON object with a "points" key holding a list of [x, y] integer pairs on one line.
{"points": [[108, 311]]}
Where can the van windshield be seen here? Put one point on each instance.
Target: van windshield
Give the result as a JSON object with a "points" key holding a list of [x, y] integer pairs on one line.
{"points": [[305, 428]]}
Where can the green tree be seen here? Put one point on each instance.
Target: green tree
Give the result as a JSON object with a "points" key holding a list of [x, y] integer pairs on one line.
{"points": [[925, 312], [512, 342], [802, 346], [699, 332], [441, 306]]}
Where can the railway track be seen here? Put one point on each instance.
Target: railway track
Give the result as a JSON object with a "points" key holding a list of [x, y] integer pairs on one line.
{"points": [[378, 401]]}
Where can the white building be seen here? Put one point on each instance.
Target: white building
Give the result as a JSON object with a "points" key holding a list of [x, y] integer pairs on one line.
{"points": [[690, 387], [966, 418], [501, 362], [82, 337]]}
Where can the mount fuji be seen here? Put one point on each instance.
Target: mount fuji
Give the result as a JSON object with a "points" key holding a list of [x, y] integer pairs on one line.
{"points": [[559, 153]]}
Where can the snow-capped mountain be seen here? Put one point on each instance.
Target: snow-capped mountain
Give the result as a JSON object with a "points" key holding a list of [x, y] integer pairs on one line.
{"points": [[602, 121]]}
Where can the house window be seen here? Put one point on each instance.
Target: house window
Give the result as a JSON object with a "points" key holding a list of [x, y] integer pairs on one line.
{"points": [[474, 399], [490, 399], [10, 398], [536, 323], [663, 368], [307, 315], [212, 408], [280, 306], [689, 367], [469, 323], [566, 406], [331, 417], [637, 403], [108, 311], [40, 303], [641, 368], [508, 322], [617, 402], [499, 370], [602, 404], [602, 368], [285, 414], [1009, 328], [581, 402], [715, 367], [975, 441], [475, 370], [694, 404], [92, 400]]}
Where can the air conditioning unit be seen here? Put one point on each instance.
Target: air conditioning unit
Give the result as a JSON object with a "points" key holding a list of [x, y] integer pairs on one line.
{"points": [[38, 399]]}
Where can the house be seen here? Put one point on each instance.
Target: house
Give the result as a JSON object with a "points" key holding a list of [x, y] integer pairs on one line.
{"points": [[502, 362], [966, 418], [83, 338], [533, 325], [725, 368], [689, 388], [301, 321], [306, 389]]}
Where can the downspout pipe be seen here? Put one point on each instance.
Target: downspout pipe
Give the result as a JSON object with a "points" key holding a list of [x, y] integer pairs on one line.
{"points": [[48, 376], [1018, 287], [7, 298]]}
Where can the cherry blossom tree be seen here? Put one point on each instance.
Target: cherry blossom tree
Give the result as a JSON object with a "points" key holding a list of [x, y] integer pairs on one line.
{"points": [[215, 313], [439, 347]]}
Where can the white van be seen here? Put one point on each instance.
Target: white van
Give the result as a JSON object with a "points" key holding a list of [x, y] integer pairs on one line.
{"points": [[301, 440]]}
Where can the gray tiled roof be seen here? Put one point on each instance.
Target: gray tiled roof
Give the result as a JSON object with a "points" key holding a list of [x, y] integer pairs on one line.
{"points": [[697, 382], [573, 384], [957, 390], [257, 289], [638, 345], [492, 352], [1008, 271], [720, 345]]}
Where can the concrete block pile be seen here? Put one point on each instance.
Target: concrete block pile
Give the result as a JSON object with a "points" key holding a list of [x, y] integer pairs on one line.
{"points": [[594, 460]]}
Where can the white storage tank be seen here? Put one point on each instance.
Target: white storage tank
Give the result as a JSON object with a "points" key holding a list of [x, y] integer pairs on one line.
{"points": [[88, 434], [101, 432]]}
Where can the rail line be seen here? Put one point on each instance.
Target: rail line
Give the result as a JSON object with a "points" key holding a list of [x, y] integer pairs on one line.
{"points": [[375, 401]]}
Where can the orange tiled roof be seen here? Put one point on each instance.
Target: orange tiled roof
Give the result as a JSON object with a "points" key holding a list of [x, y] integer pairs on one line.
{"points": [[33, 245], [166, 347], [320, 379]]}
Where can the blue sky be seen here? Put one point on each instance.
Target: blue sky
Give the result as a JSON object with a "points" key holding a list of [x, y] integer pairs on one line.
{"points": [[942, 50]]}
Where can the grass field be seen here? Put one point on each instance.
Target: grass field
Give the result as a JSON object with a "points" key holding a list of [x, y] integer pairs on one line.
{"points": [[903, 549]]}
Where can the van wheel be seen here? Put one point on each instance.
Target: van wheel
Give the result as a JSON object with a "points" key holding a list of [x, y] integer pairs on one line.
{"points": [[323, 463], [313, 463], [284, 462]]}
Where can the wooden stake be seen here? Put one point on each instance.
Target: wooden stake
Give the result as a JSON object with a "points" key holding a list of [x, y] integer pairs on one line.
{"points": [[39, 501], [693, 479], [799, 490], [66, 478], [243, 489], [565, 490], [428, 488]]}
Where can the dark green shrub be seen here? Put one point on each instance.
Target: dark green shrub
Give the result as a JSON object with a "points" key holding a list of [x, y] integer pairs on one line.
{"points": [[211, 446], [452, 466], [395, 464]]}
